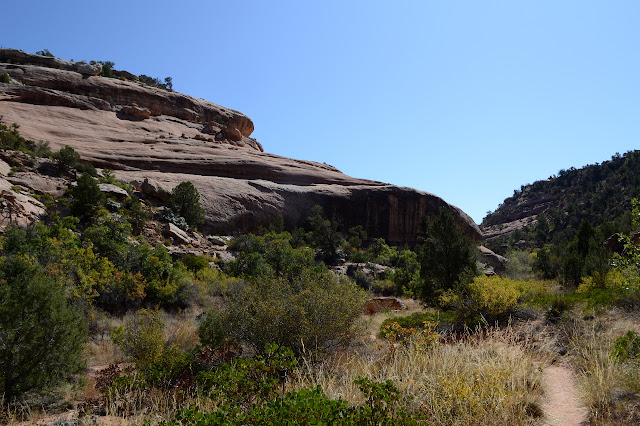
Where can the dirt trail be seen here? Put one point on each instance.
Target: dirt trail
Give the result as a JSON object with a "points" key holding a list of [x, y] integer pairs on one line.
{"points": [[562, 406]]}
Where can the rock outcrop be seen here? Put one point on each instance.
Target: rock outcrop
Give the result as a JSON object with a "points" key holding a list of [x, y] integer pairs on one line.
{"points": [[159, 137], [493, 264], [13, 56]]}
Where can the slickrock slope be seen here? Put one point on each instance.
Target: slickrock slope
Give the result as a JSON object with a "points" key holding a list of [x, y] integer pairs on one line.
{"points": [[143, 132]]}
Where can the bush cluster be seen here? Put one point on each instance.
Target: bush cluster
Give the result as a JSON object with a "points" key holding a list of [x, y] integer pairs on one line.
{"points": [[312, 312]]}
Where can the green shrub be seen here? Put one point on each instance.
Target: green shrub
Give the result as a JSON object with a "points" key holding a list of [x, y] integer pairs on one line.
{"points": [[10, 139], [384, 287], [357, 236], [627, 346], [67, 158], [269, 255], [155, 82], [313, 312], [213, 282], [110, 238], [194, 263], [107, 69], [141, 339], [324, 235], [86, 168], [519, 265], [45, 52], [4, 78], [212, 331], [415, 320], [41, 335], [384, 405], [245, 381], [612, 279], [159, 363], [382, 253], [172, 217], [135, 214], [122, 292], [557, 309]]}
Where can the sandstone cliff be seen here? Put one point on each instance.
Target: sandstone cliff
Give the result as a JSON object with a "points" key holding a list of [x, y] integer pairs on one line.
{"points": [[144, 132]]}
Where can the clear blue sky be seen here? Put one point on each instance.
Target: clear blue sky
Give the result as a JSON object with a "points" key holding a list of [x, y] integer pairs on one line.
{"points": [[464, 99]]}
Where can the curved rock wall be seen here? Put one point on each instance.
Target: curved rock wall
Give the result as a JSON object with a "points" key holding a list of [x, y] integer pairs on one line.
{"points": [[145, 132]]}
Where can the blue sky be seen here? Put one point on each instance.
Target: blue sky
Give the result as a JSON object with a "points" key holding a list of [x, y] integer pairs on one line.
{"points": [[464, 99]]}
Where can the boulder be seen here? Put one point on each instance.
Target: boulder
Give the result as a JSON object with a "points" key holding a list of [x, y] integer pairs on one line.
{"points": [[217, 241], [616, 242], [383, 304], [136, 111], [371, 269], [494, 263], [113, 189], [176, 233], [156, 189], [125, 74], [4, 168], [88, 69], [16, 208], [39, 183], [231, 133]]}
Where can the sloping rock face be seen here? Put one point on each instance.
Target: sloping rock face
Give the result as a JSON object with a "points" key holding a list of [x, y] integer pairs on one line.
{"points": [[182, 138]]}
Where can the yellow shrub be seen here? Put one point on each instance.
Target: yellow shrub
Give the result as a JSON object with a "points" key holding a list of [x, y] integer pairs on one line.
{"points": [[493, 295], [613, 279]]}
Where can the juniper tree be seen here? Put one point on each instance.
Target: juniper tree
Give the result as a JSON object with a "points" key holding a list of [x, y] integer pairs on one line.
{"points": [[41, 335], [185, 201], [448, 257]]}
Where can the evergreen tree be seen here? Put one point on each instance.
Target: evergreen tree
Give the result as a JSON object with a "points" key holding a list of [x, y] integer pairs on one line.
{"points": [[41, 336], [324, 234], [448, 257], [86, 196], [185, 201]]}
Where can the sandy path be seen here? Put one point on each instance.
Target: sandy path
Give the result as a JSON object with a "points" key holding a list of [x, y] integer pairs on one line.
{"points": [[562, 406]]}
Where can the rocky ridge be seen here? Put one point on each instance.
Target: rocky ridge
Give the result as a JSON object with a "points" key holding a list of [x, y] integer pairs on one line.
{"points": [[553, 208], [157, 135]]}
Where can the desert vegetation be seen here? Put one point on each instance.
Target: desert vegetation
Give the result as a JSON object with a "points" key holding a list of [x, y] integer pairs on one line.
{"points": [[278, 334]]}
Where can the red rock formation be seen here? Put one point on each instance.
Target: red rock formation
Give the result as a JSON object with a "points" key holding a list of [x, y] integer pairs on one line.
{"points": [[241, 186]]}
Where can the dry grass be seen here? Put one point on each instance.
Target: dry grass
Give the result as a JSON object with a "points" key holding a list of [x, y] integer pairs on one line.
{"points": [[609, 387], [181, 330], [491, 376]]}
